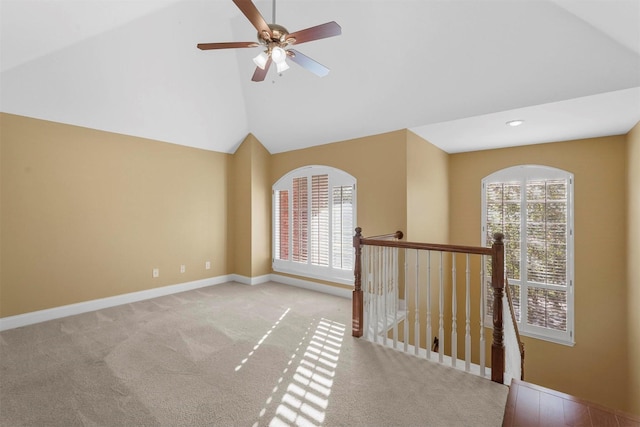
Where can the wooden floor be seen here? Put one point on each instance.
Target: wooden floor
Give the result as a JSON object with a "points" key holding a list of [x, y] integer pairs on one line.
{"points": [[532, 405]]}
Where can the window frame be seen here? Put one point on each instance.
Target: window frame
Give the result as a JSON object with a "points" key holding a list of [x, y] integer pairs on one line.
{"points": [[524, 174], [336, 178]]}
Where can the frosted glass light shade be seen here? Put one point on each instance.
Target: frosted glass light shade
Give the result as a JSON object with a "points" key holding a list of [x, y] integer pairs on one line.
{"points": [[282, 66], [278, 55], [261, 60]]}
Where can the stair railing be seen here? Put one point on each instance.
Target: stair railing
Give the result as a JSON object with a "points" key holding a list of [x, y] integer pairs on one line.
{"points": [[496, 254]]}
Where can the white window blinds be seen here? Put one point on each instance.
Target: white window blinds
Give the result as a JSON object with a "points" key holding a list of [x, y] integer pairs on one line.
{"points": [[300, 220], [313, 223], [343, 227], [532, 207], [281, 224], [320, 219]]}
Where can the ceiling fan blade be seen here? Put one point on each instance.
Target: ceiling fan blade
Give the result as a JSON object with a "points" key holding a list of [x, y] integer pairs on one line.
{"points": [[226, 45], [308, 63], [323, 31], [253, 15], [260, 74]]}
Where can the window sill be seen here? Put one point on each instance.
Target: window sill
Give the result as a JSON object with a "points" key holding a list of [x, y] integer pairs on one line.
{"points": [[568, 343], [533, 335], [304, 271]]}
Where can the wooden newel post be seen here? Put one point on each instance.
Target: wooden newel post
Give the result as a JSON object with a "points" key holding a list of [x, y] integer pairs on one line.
{"points": [[497, 282], [357, 313]]}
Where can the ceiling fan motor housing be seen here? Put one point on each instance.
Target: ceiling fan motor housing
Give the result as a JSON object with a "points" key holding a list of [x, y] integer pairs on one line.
{"points": [[278, 35]]}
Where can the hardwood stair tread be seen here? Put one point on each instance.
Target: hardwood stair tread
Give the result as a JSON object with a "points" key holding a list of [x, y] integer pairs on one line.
{"points": [[530, 405]]}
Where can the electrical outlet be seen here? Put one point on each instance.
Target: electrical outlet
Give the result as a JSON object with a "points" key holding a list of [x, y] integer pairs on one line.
{"points": [[155, 272], [207, 265], [183, 268]]}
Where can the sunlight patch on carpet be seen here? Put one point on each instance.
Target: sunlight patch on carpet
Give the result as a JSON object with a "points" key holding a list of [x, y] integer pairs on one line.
{"points": [[306, 397], [264, 337]]}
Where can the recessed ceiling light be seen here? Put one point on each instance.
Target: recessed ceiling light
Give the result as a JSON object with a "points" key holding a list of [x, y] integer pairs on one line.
{"points": [[514, 123]]}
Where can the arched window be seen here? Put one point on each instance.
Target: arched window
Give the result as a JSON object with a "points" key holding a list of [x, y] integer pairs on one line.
{"points": [[533, 207], [314, 213]]}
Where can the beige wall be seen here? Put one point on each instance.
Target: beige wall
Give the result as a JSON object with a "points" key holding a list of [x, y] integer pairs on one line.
{"points": [[250, 210], [88, 214], [260, 210], [633, 279], [596, 367], [240, 210], [427, 191]]}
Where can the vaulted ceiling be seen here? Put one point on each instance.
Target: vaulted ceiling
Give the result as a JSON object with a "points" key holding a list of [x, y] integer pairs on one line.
{"points": [[453, 71]]}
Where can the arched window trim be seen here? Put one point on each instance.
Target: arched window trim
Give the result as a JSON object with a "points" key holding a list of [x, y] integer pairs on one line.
{"points": [[524, 174], [337, 224]]}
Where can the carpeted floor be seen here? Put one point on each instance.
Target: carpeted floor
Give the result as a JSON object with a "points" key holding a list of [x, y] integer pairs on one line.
{"points": [[228, 355]]}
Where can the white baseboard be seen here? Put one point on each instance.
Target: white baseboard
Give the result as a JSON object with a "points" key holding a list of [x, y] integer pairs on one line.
{"points": [[251, 281], [313, 286], [25, 319], [291, 281]]}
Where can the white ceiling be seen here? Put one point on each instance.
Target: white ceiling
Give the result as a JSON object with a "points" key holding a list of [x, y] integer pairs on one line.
{"points": [[452, 71]]}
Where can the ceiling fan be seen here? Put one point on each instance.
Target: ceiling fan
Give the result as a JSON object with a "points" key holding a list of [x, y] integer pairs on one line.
{"points": [[277, 39]]}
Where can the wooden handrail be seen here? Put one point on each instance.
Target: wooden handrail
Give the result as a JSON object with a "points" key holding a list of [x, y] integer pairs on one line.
{"points": [[496, 251], [476, 250], [515, 327], [397, 235]]}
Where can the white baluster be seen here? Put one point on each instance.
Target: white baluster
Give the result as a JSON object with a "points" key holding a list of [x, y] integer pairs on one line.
{"points": [[482, 303], [441, 314], [393, 276], [377, 290], [385, 283], [429, 332], [454, 313], [467, 326], [416, 325], [405, 334], [366, 290], [396, 264]]}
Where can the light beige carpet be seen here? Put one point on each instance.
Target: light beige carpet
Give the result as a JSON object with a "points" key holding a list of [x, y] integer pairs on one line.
{"points": [[228, 355]]}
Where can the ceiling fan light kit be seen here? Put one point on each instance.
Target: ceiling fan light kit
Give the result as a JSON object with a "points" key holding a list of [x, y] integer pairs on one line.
{"points": [[261, 60], [278, 55], [282, 66], [277, 39]]}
